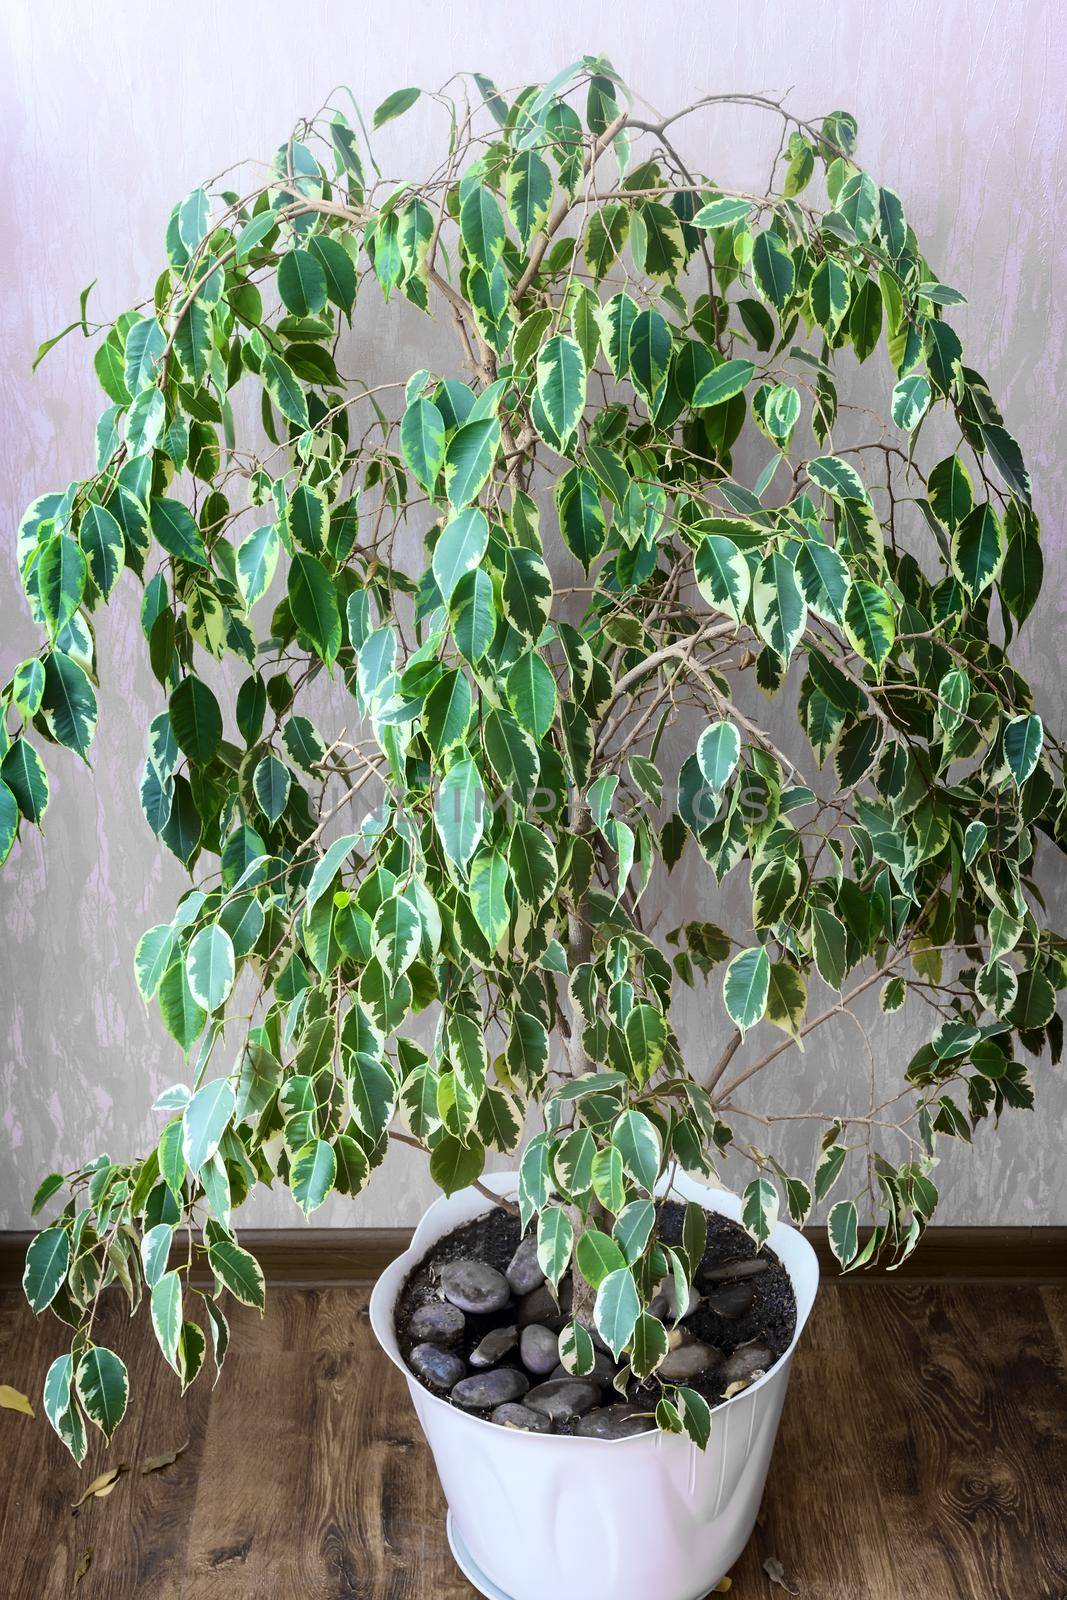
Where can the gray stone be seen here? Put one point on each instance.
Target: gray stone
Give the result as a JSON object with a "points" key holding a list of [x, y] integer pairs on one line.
{"points": [[517, 1416], [732, 1300], [436, 1366], [615, 1422], [729, 1270], [539, 1349], [486, 1390], [438, 1322], [475, 1287], [563, 1397], [662, 1304], [747, 1361], [494, 1347], [688, 1361], [522, 1271], [605, 1368], [539, 1306]]}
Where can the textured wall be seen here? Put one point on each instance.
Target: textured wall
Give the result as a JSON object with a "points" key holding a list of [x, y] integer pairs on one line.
{"points": [[112, 111]]}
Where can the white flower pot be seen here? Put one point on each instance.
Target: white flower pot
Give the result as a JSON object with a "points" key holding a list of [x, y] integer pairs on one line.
{"points": [[539, 1517]]}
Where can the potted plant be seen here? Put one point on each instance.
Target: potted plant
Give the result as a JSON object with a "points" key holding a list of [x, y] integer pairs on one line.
{"points": [[453, 669]]}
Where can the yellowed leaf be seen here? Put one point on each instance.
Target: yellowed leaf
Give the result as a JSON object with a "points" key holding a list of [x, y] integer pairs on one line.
{"points": [[102, 1486], [167, 1459], [14, 1400], [723, 1586], [735, 1387], [84, 1564]]}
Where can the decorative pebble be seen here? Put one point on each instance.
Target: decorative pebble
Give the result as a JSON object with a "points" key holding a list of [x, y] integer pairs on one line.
{"points": [[436, 1366], [746, 1361], [539, 1306], [746, 1268], [733, 1299], [614, 1422], [563, 1397], [662, 1304], [688, 1361], [486, 1390], [475, 1287], [438, 1322], [494, 1347], [605, 1368], [523, 1272], [516, 1416], [539, 1349]]}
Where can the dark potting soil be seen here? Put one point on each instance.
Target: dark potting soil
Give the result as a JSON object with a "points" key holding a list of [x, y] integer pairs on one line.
{"points": [[769, 1319]]}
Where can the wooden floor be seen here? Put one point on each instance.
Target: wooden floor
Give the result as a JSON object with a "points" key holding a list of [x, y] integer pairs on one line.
{"points": [[923, 1453]]}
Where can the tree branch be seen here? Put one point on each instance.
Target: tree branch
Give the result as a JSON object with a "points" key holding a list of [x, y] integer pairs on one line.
{"points": [[563, 210], [809, 1027]]}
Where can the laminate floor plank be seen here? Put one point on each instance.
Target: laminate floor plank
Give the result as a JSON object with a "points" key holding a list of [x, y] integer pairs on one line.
{"points": [[923, 1451], [1054, 1300]]}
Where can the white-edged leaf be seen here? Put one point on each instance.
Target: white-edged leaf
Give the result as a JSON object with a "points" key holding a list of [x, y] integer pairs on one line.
{"points": [[870, 622], [46, 1265], [561, 380], [650, 1345], [155, 950], [1023, 741], [311, 1175], [555, 1240], [459, 812], [911, 401], [617, 1309], [638, 1142], [489, 879], [237, 1271], [328, 865], [155, 1252], [842, 1229], [718, 752], [722, 383], [422, 440], [745, 986], [204, 1121], [459, 549], [167, 1315], [780, 610], [759, 1211], [723, 575], [210, 967], [103, 1388]]}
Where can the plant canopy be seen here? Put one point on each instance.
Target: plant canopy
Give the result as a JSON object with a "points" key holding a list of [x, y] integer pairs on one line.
{"points": [[454, 668]]}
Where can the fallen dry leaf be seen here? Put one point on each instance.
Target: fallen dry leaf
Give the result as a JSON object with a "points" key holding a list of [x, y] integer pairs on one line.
{"points": [[167, 1459], [102, 1486], [723, 1586], [776, 1572], [15, 1400], [84, 1564], [735, 1388]]}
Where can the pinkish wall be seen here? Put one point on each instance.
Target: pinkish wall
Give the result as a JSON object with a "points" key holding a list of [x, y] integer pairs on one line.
{"points": [[112, 111]]}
